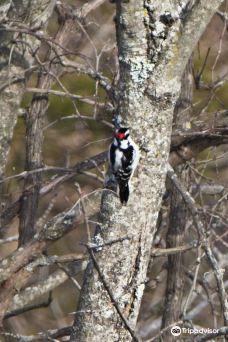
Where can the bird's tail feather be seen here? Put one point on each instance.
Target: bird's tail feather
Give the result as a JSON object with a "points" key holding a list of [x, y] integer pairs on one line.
{"points": [[124, 192]]}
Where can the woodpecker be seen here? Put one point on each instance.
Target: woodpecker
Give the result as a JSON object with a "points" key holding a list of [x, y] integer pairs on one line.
{"points": [[123, 159]]}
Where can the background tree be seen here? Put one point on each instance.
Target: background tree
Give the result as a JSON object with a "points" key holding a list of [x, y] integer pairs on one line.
{"points": [[74, 87]]}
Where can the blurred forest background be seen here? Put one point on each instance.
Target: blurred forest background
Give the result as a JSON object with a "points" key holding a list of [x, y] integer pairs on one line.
{"points": [[76, 129]]}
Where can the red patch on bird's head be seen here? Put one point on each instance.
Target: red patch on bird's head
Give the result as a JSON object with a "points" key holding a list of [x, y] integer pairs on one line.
{"points": [[119, 135]]}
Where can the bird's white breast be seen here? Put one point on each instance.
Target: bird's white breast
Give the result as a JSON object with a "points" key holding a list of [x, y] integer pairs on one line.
{"points": [[118, 157], [124, 144]]}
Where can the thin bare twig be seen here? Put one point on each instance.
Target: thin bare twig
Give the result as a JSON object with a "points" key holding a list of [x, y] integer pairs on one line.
{"points": [[29, 308], [197, 77], [193, 287], [157, 252], [72, 96], [74, 281], [96, 246]]}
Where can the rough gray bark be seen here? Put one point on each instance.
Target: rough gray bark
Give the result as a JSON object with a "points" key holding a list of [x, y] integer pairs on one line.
{"points": [[155, 41], [34, 160], [15, 62]]}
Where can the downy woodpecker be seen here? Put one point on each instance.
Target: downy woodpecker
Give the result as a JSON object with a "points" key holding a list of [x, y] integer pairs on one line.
{"points": [[123, 158]]}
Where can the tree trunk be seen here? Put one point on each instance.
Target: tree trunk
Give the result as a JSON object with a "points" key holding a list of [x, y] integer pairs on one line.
{"points": [[177, 217], [15, 62], [34, 132], [154, 45]]}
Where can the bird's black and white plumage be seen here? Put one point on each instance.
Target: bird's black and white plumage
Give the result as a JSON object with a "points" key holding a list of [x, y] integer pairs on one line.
{"points": [[123, 158]]}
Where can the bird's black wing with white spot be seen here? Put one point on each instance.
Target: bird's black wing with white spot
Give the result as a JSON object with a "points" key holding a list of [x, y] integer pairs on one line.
{"points": [[124, 173], [112, 155]]}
